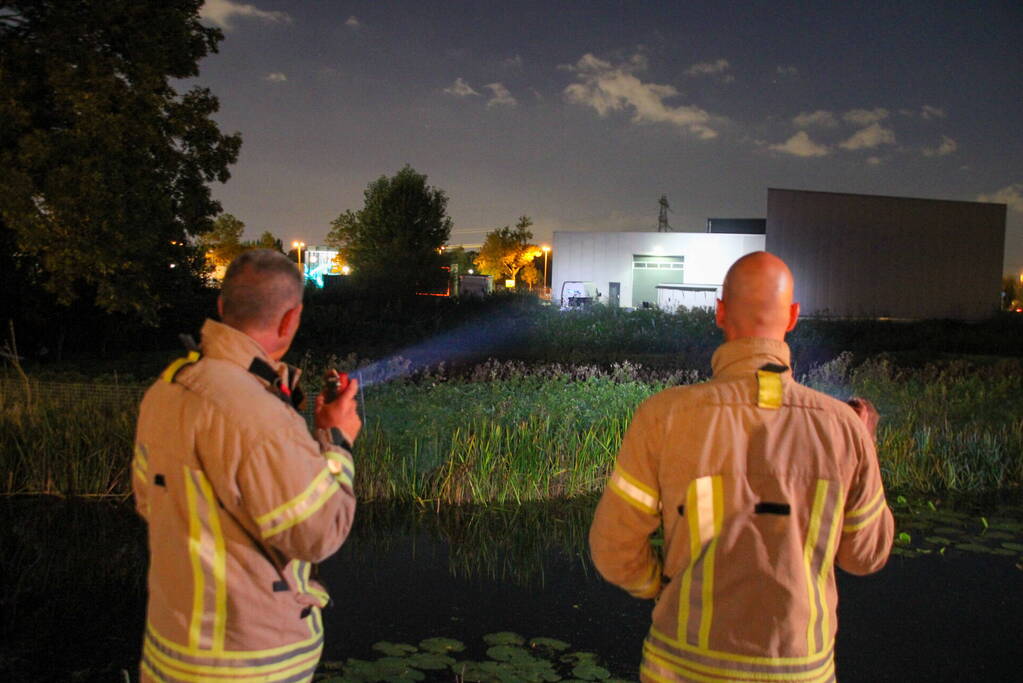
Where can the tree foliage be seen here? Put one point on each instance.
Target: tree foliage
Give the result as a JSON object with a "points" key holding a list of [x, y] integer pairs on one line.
{"points": [[506, 251], [395, 240], [268, 240], [224, 241], [106, 167]]}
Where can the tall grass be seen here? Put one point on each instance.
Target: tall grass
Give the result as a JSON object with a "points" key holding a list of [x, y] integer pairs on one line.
{"points": [[506, 433]]}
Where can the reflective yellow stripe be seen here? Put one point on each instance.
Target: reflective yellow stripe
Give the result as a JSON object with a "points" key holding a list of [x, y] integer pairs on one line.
{"points": [[296, 501], [236, 654], [718, 512], [219, 564], [737, 658], [826, 564], [204, 672], [333, 488], [194, 554], [694, 552], [812, 534], [693, 670], [866, 522], [866, 508], [649, 586], [168, 374], [769, 390], [634, 492]]}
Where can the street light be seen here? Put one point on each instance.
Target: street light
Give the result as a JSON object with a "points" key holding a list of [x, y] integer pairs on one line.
{"points": [[546, 250], [298, 245]]}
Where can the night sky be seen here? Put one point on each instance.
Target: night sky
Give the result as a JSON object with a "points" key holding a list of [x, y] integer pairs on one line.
{"points": [[582, 114]]}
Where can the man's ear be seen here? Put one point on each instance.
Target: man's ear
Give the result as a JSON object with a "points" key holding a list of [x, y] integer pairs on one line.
{"points": [[288, 325], [719, 314], [793, 316]]}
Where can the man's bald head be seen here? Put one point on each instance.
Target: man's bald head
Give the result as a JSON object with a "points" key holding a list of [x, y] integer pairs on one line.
{"points": [[756, 299], [259, 286]]}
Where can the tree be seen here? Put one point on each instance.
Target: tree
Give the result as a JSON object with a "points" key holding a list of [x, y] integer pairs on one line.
{"points": [[395, 240], [530, 275], [505, 251], [106, 167], [223, 242], [269, 241]]}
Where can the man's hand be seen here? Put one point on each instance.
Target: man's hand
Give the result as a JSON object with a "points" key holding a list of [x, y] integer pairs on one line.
{"points": [[343, 412], [866, 411]]}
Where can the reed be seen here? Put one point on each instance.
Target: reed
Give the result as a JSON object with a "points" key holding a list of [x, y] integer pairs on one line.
{"points": [[508, 433]]}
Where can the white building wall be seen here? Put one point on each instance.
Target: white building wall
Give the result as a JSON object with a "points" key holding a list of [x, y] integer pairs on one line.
{"points": [[604, 257]]}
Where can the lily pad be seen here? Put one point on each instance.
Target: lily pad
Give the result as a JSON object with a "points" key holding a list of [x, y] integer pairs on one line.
{"points": [[549, 644], [1000, 535], [939, 540], [589, 671], [508, 653], [394, 649], [430, 661], [948, 530], [579, 657], [973, 548], [1013, 546], [442, 645], [903, 538], [503, 638], [332, 666]]}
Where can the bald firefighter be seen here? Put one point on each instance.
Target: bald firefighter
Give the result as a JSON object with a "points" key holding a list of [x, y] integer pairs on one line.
{"points": [[240, 499], [762, 486]]}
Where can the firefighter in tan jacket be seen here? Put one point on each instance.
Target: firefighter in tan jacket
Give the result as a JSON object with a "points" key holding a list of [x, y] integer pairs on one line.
{"points": [[762, 486], [239, 498]]}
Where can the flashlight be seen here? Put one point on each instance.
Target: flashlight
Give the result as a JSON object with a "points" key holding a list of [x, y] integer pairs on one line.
{"points": [[335, 384]]}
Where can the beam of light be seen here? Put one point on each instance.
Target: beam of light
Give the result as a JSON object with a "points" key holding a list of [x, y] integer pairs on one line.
{"points": [[474, 339]]}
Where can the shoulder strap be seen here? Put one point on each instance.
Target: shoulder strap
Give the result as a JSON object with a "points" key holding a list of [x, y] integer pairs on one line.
{"points": [[172, 370]]}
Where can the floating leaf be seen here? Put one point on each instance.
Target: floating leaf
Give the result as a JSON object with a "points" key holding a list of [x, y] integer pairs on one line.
{"points": [[1013, 546], [508, 653], [549, 644], [1003, 551], [332, 666], [903, 538], [503, 638], [903, 551], [442, 645], [901, 500], [938, 540], [589, 671], [973, 547], [579, 657], [430, 661], [472, 672], [948, 530], [394, 649], [1000, 535]]}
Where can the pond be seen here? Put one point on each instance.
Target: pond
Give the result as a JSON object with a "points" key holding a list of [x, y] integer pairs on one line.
{"points": [[73, 594]]}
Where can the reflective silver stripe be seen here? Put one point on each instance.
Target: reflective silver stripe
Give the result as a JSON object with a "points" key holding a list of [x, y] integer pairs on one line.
{"points": [[206, 545], [228, 659], [299, 508], [634, 492], [735, 666], [140, 463]]}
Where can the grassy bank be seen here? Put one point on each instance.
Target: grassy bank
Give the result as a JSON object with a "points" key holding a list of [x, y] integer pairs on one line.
{"points": [[505, 432]]}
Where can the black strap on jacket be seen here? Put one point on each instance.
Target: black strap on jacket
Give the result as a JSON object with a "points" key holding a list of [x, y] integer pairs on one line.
{"points": [[293, 396]]}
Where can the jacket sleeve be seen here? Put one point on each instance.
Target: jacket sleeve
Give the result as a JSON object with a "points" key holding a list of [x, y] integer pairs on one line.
{"points": [[868, 527], [628, 512], [298, 493]]}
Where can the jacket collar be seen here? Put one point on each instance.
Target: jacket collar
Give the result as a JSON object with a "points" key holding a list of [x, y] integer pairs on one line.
{"points": [[749, 354]]}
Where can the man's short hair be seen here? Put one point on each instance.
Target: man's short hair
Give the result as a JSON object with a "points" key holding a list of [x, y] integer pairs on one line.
{"points": [[258, 287]]}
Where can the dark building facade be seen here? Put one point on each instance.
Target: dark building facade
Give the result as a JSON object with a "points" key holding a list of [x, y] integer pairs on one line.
{"points": [[872, 256]]}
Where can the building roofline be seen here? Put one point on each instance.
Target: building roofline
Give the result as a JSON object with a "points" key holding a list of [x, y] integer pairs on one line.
{"points": [[884, 196]]}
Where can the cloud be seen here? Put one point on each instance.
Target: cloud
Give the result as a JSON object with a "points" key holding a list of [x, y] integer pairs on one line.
{"points": [[1012, 196], [865, 117], [801, 145], [275, 77], [821, 117], [868, 138], [927, 112], [223, 12], [607, 88], [513, 62], [947, 146], [460, 88], [716, 68], [501, 96], [786, 71]]}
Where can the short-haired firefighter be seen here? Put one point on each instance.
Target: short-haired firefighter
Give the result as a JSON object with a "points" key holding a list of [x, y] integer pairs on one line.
{"points": [[762, 486], [239, 498]]}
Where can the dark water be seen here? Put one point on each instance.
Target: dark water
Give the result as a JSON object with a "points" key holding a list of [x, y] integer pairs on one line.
{"points": [[73, 601]]}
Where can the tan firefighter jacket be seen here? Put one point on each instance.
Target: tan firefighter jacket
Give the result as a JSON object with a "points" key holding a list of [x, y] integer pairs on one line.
{"points": [[762, 485], [240, 502]]}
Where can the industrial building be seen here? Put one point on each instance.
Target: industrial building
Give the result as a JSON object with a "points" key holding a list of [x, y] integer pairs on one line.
{"points": [[852, 256]]}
